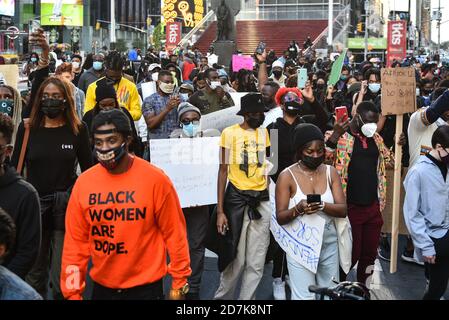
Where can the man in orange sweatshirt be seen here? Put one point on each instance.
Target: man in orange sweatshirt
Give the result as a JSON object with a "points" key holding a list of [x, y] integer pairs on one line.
{"points": [[124, 214]]}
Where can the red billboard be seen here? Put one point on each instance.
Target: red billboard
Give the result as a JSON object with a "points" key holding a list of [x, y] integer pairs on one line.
{"points": [[173, 32], [397, 41]]}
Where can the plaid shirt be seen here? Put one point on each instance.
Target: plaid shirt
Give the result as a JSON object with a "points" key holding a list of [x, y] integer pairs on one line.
{"points": [[154, 105]]}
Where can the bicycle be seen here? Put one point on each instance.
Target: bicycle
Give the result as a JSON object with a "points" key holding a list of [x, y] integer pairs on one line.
{"points": [[343, 291]]}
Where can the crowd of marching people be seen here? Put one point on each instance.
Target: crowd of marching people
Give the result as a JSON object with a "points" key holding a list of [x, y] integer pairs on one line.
{"points": [[80, 198]]}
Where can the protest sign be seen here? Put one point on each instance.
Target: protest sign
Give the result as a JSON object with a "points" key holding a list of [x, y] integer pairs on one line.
{"points": [[148, 88], [242, 62], [398, 91], [10, 74], [192, 165], [272, 115], [398, 97], [336, 69], [301, 239]]}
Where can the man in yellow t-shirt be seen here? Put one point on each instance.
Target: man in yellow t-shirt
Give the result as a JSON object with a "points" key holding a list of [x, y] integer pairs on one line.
{"points": [[127, 94], [243, 209]]}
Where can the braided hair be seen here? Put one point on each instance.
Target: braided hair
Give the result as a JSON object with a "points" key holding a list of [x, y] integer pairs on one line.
{"points": [[114, 61]]}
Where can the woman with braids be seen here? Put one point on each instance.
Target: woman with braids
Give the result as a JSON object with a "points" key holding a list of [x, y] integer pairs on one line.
{"points": [[58, 142], [127, 94], [11, 105]]}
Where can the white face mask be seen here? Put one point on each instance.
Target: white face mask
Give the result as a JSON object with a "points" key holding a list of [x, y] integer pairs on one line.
{"points": [[374, 87], [184, 96], [215, 84], [155, 76], [368, 129], [75, 65], [167, 88]]}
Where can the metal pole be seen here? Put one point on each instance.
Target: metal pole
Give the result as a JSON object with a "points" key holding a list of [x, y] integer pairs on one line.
{"points": [[366, 28], [112, 34], [330, 32], [439, 26]]}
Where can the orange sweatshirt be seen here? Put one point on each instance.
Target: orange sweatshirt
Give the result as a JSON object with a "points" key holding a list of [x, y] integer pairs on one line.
{"points": [[125, 223]]}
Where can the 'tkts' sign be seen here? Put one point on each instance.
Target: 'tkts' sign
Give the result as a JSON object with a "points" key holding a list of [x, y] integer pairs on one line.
{"points": [[173, 32], [397, 41]]}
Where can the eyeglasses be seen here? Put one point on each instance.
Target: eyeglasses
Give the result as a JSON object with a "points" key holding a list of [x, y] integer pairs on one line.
{"points": [[292, 98], [186, 122]]}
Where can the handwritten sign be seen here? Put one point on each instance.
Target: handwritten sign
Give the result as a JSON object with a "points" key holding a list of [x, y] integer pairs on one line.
{"points": [[398, 91], [222, 119], [9, 73], [301, 239], [192, 165], [148, 88], [242, 62]]}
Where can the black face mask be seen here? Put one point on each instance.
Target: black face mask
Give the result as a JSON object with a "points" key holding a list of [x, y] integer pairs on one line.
{"points": [[320, 86], [427, 92], [52, 108], [112, 82], [110, 159], [292, 108], [311, 162], [255, 122], [277, 73]]}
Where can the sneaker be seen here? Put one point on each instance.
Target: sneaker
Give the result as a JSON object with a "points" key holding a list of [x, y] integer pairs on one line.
{"points": [[383, 251], [408, 256], [279, 289]]}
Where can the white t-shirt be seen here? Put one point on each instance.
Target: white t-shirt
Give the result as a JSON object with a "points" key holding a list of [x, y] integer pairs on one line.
{"points": [[420, 135]]}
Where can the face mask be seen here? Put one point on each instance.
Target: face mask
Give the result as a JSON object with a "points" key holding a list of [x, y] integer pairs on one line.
{"points": [[214, 85], [292, 108], [277, 73], [191, 130], [418, 92], [167, 88], [33, 59], [52, 108], [426, 92], [368, 129], [155, 76], [110, 159], [75, 65], [112, 82], [184, 96], [374, 87], [312, 162], [320, 86], [444, 159], [7, 107], [98, 65], [343, 77], [255, 122]]}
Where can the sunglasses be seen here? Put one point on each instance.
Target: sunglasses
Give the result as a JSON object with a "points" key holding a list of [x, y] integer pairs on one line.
{"points": [[293, 98], [186, 122]]}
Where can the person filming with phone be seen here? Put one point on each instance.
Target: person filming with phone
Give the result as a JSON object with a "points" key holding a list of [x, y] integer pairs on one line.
{"points": [[308, 187]]}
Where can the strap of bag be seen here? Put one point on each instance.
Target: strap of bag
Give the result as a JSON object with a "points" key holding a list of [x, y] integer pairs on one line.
{"points": [[26, 137]]}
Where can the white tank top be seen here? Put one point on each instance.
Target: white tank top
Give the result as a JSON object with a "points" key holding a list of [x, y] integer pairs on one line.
{"points": [[326, 197]]}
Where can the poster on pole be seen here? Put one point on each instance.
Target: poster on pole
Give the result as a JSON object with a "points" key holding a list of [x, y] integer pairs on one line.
{"points": [[173, 33], [397, 41], [336, 69], [398, 91], [192, 165], [301, 239]]}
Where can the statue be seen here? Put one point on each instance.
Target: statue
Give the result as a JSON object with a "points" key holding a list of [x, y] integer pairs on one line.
{"points": [[226, 12], [223, 22]]}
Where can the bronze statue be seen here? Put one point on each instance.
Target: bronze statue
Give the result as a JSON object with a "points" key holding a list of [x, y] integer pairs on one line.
{"points": [[223, 22]]}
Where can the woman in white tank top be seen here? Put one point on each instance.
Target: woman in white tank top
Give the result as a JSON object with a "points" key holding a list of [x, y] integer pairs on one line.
{"points": [[309, 176]]}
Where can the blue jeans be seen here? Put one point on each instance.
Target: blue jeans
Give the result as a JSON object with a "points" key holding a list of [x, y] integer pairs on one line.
{"points": [[328, 267]]}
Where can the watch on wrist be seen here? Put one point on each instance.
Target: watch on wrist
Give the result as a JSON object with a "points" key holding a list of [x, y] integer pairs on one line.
{"points": [[181, 292]]}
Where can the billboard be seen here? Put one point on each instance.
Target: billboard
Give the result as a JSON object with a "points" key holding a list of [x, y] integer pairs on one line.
{"points": [[397, 41], [62, 13], [7, 7], [191, 12]]}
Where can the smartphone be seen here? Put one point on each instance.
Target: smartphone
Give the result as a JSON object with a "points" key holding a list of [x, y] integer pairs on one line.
{"points": [[313, 198], [341, 113], [261, 48], [34, 27], [302, 78]]}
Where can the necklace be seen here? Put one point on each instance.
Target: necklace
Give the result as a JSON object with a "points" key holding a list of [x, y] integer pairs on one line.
{"points": [[311, 176]]}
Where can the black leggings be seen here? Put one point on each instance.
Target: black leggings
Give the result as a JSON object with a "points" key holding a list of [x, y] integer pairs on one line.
{"points": [[438, 273]]}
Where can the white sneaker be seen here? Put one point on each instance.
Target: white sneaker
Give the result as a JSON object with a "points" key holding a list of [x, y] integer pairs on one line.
{"points": [[279, 289]]}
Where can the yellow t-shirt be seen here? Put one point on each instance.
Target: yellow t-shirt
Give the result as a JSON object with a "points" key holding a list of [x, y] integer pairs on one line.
{"points": [[247, 157]]}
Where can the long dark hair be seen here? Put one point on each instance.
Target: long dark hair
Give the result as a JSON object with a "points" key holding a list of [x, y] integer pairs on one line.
{"points": [[70, 116]]}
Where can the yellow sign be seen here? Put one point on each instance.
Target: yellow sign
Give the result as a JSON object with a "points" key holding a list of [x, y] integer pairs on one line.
{"points": [[190, 11]]}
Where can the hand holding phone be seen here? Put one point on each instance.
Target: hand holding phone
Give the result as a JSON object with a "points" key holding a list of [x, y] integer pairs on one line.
{"points": [[261, 48], [313, 198], [302, 78], [341, 114]]}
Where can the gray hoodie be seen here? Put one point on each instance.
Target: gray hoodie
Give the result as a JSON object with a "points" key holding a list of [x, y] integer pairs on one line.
{"points": [[87, 78]]}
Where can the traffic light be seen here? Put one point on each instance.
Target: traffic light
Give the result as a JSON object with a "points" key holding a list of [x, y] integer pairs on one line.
{"points": [[97, 26], [360, 27]]}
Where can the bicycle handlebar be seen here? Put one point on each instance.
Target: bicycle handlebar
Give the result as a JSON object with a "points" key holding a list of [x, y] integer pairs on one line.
{"points": [[334, 294]]}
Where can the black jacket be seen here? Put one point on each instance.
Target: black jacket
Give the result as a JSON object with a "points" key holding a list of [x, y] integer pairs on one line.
{"points": [[20, 200], [235, 203]]}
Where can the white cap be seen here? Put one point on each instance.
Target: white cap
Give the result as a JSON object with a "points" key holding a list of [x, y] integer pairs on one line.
{"points": [[277, 63], [154, 66]]}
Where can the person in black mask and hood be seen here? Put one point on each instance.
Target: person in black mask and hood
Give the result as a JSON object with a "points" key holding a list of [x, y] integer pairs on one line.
{"points": [[239, 233], [58, 142]]}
